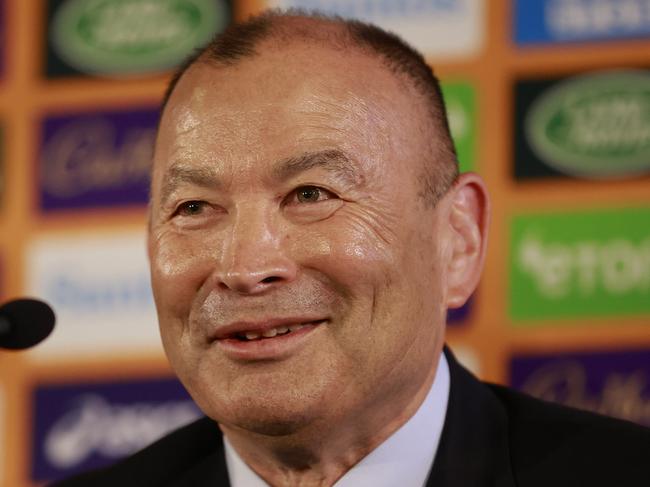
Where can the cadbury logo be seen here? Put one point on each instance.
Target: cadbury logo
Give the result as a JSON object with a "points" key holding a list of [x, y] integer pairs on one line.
{"points": [[133, 36], [96, 426], [83, 157], [565, 382], [594, 126]]}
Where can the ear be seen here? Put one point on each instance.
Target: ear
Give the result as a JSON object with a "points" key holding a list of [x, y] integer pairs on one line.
{"points": [[468, 223]]}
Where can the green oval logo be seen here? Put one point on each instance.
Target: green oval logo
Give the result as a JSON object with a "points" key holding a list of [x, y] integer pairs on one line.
{"points": [[594, 126], [115, 37]]}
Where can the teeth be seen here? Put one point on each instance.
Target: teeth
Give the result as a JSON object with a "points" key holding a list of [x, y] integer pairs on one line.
{"points": [[272, 332]]}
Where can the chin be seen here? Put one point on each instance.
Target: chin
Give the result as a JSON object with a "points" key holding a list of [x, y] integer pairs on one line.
{"points": [[277, 414], [258, 418]]}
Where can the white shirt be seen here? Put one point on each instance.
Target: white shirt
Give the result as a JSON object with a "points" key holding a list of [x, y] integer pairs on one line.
{"points": [[403, 459]]}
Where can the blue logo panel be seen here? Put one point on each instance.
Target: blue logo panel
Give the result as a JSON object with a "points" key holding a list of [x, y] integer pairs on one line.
{"points": [[557, 21]]}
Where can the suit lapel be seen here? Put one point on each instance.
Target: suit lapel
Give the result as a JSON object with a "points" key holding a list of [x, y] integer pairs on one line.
{"points": [[211, 471], [473, 449]]}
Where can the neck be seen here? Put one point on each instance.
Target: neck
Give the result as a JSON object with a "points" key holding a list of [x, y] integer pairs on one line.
{"points": [[320, 454]]}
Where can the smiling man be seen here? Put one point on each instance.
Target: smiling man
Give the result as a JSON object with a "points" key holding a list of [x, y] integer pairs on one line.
{"points": [[302, 257], [308, 233]]}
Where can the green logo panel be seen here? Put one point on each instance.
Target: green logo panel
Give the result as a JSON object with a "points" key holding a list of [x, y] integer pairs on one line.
{"points": [[595, 125], [583, 264], [122, 37], [460, 100]]}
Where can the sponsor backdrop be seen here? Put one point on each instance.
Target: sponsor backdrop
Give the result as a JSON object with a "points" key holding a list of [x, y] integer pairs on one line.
{"points": [[548, 99]]}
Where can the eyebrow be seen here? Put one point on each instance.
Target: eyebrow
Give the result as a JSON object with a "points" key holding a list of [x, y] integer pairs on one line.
{"points": [[333, 160], [179, 174]]}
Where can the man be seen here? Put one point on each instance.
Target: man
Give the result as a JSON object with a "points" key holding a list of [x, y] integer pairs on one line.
{"points": [[308, 232]]}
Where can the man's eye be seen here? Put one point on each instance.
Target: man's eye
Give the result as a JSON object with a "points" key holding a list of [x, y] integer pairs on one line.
{"points": [[190, 208], [312, 194]]}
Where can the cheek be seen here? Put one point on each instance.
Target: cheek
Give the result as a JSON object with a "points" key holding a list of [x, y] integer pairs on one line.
{"points": [[348, 254], [179, 265]]}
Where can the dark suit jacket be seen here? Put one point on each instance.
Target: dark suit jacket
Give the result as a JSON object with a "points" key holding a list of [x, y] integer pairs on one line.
{"points": [[492, 436]]}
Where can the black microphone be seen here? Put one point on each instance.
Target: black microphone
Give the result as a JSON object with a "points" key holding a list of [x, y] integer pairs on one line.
{"points": [[24, 323]]}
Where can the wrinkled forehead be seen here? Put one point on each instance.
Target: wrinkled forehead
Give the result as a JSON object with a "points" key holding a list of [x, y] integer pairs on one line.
{"points": [[289, 97]]}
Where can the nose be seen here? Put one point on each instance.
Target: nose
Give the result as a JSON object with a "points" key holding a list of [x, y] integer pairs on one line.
{"points": [[254, 256]]}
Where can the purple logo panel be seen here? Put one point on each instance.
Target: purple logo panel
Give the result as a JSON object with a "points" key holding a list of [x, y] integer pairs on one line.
{"points": [[611, 383], [93, 160], [83, 426], [459, 316]]}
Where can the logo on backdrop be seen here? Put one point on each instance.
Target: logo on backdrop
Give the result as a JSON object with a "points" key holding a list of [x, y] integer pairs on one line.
{"points": [[128, 37], [594, 126], [83, 426], [582, 264], [440, 28], [99, 286], [460, 101], [92, 160], [611, 383], [551, 21]]}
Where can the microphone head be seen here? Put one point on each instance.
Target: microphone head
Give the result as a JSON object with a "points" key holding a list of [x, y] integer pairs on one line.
{"points": [[29, 322]]}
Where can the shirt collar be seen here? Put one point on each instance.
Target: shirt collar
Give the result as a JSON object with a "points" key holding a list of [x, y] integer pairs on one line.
{"points": [[404, 458]]}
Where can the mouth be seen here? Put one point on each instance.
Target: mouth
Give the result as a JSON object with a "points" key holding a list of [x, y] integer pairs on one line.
{"points": [[273, 339], [277, 331]]}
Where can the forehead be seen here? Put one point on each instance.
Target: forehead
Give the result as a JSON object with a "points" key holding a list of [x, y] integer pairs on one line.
{"points": [[282, 101]]}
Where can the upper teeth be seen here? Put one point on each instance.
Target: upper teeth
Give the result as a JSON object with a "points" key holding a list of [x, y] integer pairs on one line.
{"points": [[271, 332]]}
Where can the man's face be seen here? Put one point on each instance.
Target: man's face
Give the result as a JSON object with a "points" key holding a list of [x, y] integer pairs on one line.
{"points": [[287, 201]]}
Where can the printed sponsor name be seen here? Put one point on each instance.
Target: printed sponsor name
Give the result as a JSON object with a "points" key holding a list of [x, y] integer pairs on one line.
{"points": [[85, 426], [615, 384], [125, 37], [97, 159], [440, 28], [580, 264], [617, 265], [99, 288], [95, 426], [545, 21], [594, 125]]}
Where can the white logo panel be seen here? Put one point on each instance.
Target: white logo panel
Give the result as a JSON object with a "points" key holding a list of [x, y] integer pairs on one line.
{"points": [[437, 28], [99, 287]]}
